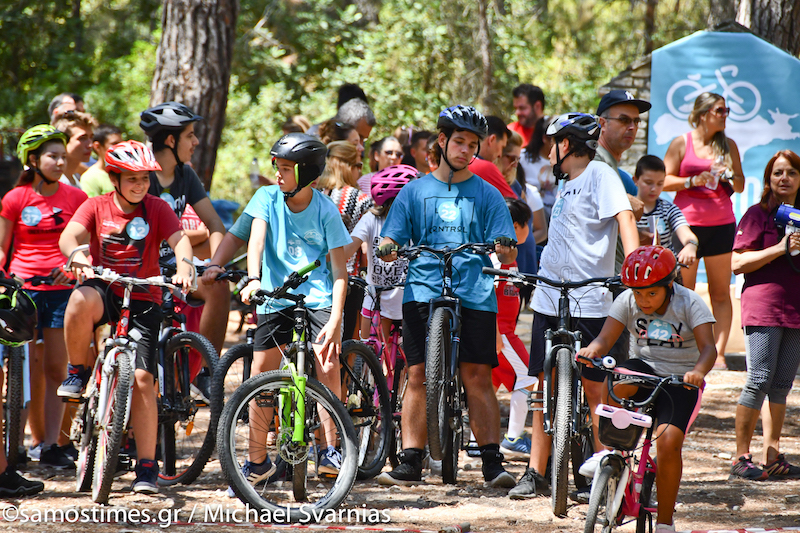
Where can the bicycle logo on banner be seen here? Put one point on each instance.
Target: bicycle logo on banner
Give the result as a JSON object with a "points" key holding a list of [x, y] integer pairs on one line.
{"points": [[741, 96]]}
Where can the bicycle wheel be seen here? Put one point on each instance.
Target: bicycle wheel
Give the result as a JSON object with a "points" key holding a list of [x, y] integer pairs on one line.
{"points": [[399, 384], [582, 445], [559, 481], [187, 417], [14, 391], [112, 425], [645, 517], [235, 447], [437, 359], [82, 432], [368, 406], [601, 502], [233, 369], [455, 424]]}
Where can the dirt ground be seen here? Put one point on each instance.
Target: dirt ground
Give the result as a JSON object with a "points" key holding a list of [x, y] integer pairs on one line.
{"points": [[707, 500]]}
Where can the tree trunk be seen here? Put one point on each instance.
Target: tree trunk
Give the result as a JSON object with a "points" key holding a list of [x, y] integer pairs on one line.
{"points": [[649, 25], [485, 46], [721, 11], [777, 21], [193, 66]]}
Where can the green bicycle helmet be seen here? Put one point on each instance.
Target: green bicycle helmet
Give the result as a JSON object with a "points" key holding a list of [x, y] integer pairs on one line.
{"points": [[35, 137], [17, 314]]}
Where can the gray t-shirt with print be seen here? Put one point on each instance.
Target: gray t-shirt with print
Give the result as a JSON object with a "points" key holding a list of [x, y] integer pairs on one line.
{"points": [[666, 342]]}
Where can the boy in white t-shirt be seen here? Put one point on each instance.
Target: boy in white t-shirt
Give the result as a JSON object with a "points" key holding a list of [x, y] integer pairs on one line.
{"points": [[590, 210]]}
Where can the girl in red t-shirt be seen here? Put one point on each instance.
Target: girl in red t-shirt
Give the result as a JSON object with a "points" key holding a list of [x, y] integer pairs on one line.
{"points": [[33, 216]]}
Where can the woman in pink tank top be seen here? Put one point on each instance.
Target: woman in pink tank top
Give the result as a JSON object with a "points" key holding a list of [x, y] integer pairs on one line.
{"points": [[704, 169]]}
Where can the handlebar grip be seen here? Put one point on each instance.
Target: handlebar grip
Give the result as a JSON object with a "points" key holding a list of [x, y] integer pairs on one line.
{"points": [[309, 267], [498, 272]]}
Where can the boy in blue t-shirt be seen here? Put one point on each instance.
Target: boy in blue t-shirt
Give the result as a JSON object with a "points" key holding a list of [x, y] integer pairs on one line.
{"points": [[450, 207], [294, 225]]}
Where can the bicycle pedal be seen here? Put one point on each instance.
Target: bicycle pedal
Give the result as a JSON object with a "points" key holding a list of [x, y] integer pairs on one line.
{"points": [[75, 401]]}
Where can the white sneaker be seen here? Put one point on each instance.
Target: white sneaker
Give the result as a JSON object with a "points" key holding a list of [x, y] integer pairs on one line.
{"points": [[665, 528], [589, 468], [35, 452]]}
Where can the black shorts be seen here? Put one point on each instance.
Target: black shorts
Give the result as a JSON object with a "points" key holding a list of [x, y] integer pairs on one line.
{"points": [[714, 240], [275, 329], [478, 335], [146, 316], [589, 328], [674, 404]]}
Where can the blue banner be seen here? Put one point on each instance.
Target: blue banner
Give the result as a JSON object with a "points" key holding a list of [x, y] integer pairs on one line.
{"points": [[759, 82]]}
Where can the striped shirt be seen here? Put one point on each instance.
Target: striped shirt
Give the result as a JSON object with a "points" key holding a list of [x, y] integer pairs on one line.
{"points": [[668, 219]]}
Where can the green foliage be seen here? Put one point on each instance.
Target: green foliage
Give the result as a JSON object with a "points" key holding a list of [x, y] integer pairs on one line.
{"points": [[291, 56]]}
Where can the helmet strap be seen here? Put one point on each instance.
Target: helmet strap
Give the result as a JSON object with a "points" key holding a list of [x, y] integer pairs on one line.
{"points": [[119, 191], [557, 172], [452, 169]]}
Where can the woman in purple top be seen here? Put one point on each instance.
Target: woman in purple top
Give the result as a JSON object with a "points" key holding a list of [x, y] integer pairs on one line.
{"points": [[770, 317]]}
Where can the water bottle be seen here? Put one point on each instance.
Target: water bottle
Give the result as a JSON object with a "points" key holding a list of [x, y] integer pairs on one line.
{"points": [[254, 173]]}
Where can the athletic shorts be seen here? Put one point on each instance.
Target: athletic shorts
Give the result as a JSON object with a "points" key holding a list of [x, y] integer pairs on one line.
{"points": [[512, 368], [478, 334], [589, 328], [714, 240], [275, 329], [675, 405], [50, 308], [146, 317]]}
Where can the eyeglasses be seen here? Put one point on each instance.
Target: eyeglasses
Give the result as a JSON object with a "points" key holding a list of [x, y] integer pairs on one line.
{"points": [[359, 166], [722, 111], [390, 153], [512, 158], [626, 120]]}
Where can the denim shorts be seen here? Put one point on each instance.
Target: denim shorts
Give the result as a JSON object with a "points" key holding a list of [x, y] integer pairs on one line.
{"points": [[50, 308]]}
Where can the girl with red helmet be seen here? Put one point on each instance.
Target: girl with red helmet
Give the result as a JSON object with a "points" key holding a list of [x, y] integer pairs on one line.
{"points": [[386, 184], [671, 333], [33, 215], [125, 229]]}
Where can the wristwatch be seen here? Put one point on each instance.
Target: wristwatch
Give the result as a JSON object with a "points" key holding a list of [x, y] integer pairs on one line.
{"points": [[688, 183]]}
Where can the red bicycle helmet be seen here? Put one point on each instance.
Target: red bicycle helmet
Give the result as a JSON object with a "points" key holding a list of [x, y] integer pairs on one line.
{"points": [[130, 156], [649, 266], [387, 183]]}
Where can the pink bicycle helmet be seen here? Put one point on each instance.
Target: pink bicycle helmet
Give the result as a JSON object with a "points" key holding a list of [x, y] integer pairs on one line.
{"points": [[130, 156], [388, 182]]}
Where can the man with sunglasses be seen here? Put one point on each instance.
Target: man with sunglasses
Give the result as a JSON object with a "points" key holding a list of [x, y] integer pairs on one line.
{"points": [[491, 148]]}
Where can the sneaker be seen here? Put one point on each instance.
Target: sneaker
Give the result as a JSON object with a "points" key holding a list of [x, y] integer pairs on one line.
{"points": [[665, 528], [76, 381], [70, 451], [330, 461], [589, 467], [12, 485], [581, 495], [53, 457], [493, 472], [408, 472], [781, 468], [745, 468], [146, 481], [35, 452], [530, 485], [255, 472], [518, 448]]}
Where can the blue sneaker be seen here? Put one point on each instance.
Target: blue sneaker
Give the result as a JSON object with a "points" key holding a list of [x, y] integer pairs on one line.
{"points": [[518, 448], [255, 472], [330, 461]]}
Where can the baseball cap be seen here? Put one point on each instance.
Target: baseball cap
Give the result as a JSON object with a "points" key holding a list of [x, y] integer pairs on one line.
{"points": [[619, 96]]}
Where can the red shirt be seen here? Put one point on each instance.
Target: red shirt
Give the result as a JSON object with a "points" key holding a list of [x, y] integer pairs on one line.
{"points": [[526, 133], [771, 294], [128, 243], [491, 174], [37, 223], [507, 302]]}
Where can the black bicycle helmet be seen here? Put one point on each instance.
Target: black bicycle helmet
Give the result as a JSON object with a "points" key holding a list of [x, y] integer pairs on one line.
{"points": [[308, 152], [17, 315], [578, 127], [464, 118], [169, 116]]}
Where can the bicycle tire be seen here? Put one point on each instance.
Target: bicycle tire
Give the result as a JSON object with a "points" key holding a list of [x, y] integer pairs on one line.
{"points": [[455, 432], [368, 405], [437, 355], [14, 401], [559, 481], [111, 428], [300, 481], [645, 517], [87, 445], [278, 498], [604, 487], [233, 369], [188, 428], [582, 445], [399, 384]]}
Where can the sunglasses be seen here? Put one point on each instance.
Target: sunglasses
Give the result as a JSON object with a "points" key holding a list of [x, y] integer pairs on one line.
{"points": [[359, 166], [626, 120], [722, 111], [390, 153]]}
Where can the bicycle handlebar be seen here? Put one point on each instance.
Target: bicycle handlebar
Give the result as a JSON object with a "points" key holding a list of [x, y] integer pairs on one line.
{"points": [[566, 284], [412, 252], [293, 280]]}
